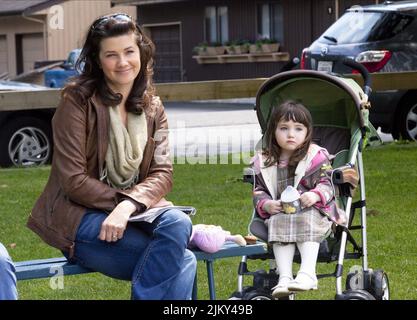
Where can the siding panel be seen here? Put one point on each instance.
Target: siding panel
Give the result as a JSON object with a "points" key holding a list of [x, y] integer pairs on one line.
{"points": [[3, 55], [304, 21], [78, 16]]}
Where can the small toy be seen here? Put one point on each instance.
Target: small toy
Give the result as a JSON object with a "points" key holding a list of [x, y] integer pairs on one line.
{"points": [[210, 238]]}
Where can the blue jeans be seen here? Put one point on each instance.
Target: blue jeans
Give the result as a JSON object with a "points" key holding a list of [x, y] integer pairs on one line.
{"points": [[8, 289], [154, 256]]}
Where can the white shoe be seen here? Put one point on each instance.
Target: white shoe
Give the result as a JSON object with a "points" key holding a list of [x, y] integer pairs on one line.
{"points": [[303, 282], [281, 289]]}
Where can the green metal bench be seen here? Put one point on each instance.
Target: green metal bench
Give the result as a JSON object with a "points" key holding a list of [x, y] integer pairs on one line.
{"points": [[47, 268]]}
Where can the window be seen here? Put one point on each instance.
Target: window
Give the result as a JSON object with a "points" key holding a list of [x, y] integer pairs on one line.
{"points": [[270, 21], [355, 27], [216, 24]]}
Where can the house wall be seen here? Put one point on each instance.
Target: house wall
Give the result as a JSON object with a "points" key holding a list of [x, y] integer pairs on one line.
{"points": [[304, 21], [56, 43], [9, 28], [77, 17], [242, 25]]}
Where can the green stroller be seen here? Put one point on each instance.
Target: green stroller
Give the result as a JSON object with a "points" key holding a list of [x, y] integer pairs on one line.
{"points": [[339, 108]]}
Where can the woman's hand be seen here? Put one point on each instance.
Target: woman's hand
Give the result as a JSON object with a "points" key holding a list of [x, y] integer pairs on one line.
{"points": [[115, 224], [309, 198], [272, 206]]}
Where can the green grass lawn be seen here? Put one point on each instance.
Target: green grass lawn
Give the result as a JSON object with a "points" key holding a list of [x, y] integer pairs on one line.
{"points": [[221, 198]]}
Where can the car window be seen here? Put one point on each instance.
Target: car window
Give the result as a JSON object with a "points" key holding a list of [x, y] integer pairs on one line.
{"points": [[352, 27], [360, 26], [392, 25], [73, 57]]}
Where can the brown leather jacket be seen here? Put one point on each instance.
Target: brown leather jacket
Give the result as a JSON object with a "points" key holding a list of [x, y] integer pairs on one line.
{"points": [[80, 145]]}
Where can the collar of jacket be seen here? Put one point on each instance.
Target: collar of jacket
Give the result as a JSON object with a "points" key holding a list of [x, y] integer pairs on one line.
{"points": [[269, 174], [102, 127], [103, 122]]}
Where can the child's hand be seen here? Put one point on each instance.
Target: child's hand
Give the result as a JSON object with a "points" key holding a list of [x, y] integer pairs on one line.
{"points": [[272, 206], [309, 198]]}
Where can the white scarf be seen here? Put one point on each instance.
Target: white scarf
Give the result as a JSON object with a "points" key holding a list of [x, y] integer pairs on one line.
{"points": [[125, 150]]}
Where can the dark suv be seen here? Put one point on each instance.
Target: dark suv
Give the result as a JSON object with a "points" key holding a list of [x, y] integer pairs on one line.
{"points": [[384, 39]]}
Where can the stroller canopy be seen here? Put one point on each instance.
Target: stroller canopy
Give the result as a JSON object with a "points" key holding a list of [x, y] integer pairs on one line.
{"points": [[332, 101], [335, 103]]}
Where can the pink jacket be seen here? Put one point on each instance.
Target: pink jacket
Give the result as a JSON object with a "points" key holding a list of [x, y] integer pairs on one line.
{"points": [[311, 175]]}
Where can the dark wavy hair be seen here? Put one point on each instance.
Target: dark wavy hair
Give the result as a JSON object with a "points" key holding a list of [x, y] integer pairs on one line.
{"points": [[91, 76], [288, 110]]}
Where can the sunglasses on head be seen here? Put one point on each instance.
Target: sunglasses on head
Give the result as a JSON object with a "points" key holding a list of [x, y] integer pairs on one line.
{"points": [[121, 17]]}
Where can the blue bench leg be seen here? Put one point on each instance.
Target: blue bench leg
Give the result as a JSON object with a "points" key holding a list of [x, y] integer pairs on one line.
{"points": [[210, 276], [194, 294]]}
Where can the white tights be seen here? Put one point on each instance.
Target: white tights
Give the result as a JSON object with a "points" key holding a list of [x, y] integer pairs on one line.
{"points": [[284, 256]]}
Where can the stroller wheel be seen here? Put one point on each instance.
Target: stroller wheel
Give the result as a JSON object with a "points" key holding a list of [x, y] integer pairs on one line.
{"points": [[379, 286], [355, 295], [258, 294], [239, 295]]}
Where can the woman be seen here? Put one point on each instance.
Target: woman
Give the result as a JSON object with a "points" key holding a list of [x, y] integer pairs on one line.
{"points": [[111, 161]]}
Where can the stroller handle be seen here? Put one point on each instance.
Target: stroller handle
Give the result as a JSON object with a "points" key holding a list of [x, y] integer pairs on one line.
{"points": [[364, 73], [290, 64]]}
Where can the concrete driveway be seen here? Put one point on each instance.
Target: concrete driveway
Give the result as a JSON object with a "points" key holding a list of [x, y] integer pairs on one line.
{"points": [[201, 129], [205, 129]]}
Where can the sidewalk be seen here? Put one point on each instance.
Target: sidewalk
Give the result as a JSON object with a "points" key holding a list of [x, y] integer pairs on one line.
{"points": [[215, 127]]}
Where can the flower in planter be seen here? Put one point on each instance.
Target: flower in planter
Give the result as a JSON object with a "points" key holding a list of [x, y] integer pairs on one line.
{"points": [[237, 46], [244, 46], [256, 47], [269, 45], [201, 49], [215, 48], [232, 47]]}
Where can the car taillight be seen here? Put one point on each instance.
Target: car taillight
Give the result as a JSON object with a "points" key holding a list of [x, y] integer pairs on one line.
{"points": [[303, 59], [373, 60]]}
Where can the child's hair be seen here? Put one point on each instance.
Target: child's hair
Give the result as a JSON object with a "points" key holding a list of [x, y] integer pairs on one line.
{"points": [[288, 110]]}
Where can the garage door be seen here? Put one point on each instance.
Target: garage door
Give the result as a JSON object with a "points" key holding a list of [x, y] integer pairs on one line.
{"points": [[32, 50], [3, 55], [168, 62]]}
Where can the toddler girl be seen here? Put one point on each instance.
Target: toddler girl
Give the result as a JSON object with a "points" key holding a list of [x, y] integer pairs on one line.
{"points": [[289, 157]]}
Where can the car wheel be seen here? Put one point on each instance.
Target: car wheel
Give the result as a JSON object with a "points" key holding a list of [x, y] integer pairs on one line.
{"points": [[408, 120], [25, 141], [355, 295]]}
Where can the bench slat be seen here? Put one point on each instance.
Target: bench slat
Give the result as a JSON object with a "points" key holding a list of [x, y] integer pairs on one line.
{"points": [[230, 249], [21, 264], [46, 268]]}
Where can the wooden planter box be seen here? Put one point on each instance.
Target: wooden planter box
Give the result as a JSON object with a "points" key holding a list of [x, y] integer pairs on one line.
{"points": [[270, 47], [215, 51], [201, 51], [253, 48], [237, 49], [243, 58]]}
